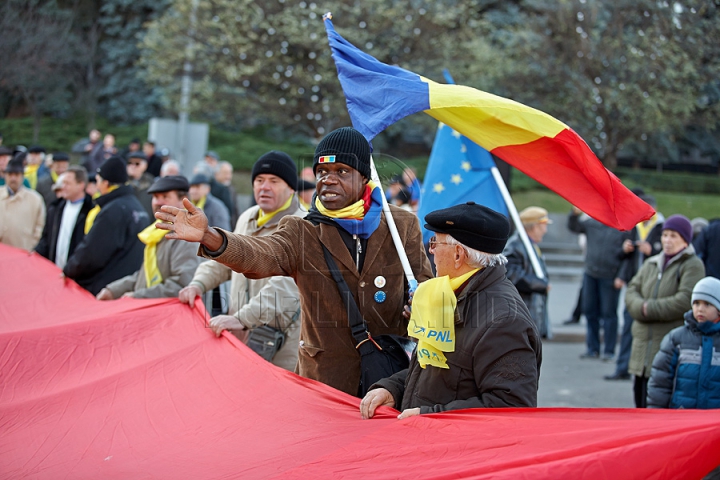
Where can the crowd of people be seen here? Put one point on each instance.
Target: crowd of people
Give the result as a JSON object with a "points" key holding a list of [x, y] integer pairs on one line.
{"points": [[312, 267]]}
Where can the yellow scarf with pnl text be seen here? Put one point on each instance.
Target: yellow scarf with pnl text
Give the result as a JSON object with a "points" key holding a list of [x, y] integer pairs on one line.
{"points": [[432, 320]]}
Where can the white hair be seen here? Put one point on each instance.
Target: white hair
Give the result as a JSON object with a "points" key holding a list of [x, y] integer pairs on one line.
{"points": [[478, 259], [168, 165]]}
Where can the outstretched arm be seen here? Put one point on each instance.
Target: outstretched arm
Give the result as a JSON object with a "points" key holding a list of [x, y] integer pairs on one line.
{"points": [[190, 225]]}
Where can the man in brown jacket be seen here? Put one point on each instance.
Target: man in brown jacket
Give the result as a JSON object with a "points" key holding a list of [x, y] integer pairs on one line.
{"points": [[22, 210], [488, 352], [346, 218]]}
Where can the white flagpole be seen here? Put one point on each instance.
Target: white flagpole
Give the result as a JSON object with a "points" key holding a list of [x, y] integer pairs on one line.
{"points": [[412, 282], [532, 255]]}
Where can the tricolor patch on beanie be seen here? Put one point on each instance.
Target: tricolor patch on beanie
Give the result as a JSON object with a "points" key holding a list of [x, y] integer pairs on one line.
{"points": [[347, 146]]}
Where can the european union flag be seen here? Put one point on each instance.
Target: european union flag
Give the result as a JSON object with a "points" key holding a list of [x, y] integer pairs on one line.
{"points": [[458, 171]]}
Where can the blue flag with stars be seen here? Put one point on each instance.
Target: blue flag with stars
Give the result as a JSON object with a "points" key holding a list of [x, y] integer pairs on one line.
{"points": [[458, 171]]}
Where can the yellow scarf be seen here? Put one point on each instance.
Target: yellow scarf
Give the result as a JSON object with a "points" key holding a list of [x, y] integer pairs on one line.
{"points": [[356, 210], [31, 175], [151, 236], [201, 203], [90, 219], [263, 217], [432, 320], [644, 228], [54, 176]]}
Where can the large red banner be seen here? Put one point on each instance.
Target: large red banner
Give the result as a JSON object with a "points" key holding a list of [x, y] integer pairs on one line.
{"points": [[141, 389]]}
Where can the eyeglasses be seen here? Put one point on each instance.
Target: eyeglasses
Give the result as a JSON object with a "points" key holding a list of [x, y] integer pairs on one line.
{"points": [[134, 164], [433, 242]]}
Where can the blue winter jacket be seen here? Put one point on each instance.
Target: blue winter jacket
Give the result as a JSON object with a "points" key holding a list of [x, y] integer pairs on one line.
{"points": [[686, 370]]}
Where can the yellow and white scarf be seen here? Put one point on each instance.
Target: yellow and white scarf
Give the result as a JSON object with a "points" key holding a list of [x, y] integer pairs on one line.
{"points": [[151, 236], [90, 219], [644, 228], [31, 175], [263, 217], [432, 320]]}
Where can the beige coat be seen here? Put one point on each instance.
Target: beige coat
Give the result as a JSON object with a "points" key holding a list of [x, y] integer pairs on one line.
{"points": [[22, 218], [177, 262], [327, 347], [273, 301]]}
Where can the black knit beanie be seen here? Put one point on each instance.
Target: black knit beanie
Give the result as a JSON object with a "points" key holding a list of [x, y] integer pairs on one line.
{"points": [[114, 170], [279, 164], [344, 145]]}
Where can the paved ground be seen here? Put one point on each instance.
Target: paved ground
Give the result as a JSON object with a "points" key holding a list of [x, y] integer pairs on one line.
{"points": [[565, 379]]}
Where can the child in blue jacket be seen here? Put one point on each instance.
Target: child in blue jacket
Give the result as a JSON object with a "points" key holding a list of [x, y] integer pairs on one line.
{"points": [[686, 370]]}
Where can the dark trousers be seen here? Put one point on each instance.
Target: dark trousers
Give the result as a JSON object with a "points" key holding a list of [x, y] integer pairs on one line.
{"points": [[623, 359], [600, 302], [640, 391]]}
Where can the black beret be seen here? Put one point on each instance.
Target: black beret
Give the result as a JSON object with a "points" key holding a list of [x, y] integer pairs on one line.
{"points": [[15, 165], [138, 154], [36, 149], [61, 157], [169, 183], [113, 170], [199, 179], [473, 225], [304, 185], [5, 150]]}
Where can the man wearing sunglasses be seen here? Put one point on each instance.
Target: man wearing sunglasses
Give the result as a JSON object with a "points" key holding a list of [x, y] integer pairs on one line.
{"points": [[345, 217]]}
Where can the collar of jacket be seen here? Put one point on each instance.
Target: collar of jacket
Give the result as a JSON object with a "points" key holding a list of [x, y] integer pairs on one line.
{"points": [[121, 191], [659, 259], [705, 328], [479, 282]]}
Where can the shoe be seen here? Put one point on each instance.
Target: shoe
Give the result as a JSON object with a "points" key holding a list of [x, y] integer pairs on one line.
{"points": [[617, 376], [607, 358], [590, 355], [570, 321]]}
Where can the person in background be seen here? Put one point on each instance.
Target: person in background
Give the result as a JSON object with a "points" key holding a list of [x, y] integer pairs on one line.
{"points": [[493, 357], [22, 210], [224, 177], [59, 165], [154, 162], [707, 245], [272, 301], [65, 226], [140, 180], [686, 370], [111, 248], [167, 266], [133, 147], [658, 296], [216, 213], [101, 153], [171, 168], [35, 168], [306, 191], [212, 159], [91, 187], [533, 289], [600, 294], [644, 242], [85, 147]]}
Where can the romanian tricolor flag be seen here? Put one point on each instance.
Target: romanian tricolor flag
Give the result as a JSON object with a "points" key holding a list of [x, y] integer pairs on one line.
{"points": [[532, 141]]}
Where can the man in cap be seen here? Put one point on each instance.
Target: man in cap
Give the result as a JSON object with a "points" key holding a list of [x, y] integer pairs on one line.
{"points": [[215, 211], [272, 301], [167, 266], [140, 180], [22, 210], [111, 248], [223, 178], [533, 289], [346, 219], [219, 190], [35, 168], [65, 226], [59, 165], [477, 345], [6, 154], [306, 191], [154, 160]]}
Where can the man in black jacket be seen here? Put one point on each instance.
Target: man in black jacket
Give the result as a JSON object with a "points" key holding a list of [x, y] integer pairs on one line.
{"points": [[111, 248], [65, 224]]}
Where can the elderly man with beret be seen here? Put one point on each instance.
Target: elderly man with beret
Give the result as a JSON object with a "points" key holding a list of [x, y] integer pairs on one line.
{"points": [[346, 219], [477, 345], [167, 266], [532, 288]]}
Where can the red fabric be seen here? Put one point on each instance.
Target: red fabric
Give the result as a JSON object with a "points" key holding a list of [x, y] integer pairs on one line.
{"points": [[566, 164], [141, 389]]}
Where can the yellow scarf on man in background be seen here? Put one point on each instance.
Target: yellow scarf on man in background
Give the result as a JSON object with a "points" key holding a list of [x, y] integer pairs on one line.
{"points": [[151, 236], [90, 219], [201, 203], [31, 175], [263, 217], [432, 320], [644, 228]]}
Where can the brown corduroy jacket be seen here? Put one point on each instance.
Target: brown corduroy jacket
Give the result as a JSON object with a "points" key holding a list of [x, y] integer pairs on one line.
{"points": [[327, 348]]}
